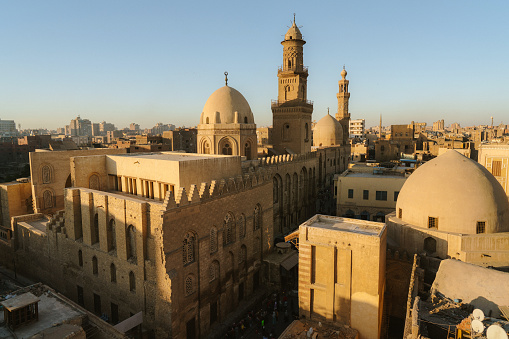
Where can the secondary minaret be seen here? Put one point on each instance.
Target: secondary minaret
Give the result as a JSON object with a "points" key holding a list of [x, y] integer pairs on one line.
{"points": [[291, 113], [343, 97]]}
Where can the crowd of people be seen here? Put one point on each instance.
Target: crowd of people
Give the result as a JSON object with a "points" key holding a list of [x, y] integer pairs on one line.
{"points": [[268, 320]]}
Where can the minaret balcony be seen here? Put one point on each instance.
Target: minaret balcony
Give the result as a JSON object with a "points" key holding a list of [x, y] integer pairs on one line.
{"points": [[292, 103], [296, 69]]}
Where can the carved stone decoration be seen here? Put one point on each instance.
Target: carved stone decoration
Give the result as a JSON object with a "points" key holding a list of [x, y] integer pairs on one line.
{"points": [[46, 174], [48, 199], [93, 182]]}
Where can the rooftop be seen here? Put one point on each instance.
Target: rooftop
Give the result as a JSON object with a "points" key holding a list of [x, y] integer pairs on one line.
{"points": [[346, 225], [171, 156]]}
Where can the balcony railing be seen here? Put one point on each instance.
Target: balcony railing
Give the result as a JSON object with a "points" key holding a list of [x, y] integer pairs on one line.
{"points": [[294, 102], [297, 69]]}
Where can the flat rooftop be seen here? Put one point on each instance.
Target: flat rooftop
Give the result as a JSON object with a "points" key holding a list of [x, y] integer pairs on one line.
{"points": [[385, 175], [170, 156], [364, 227]]}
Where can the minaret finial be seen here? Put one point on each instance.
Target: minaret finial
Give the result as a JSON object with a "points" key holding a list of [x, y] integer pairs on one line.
{"points": [[226, 78], [328, 111], [293, 17], [343, 66]]}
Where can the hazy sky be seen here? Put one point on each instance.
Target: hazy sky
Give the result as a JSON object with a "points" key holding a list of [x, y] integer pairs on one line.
{"points": [[158, 61]]}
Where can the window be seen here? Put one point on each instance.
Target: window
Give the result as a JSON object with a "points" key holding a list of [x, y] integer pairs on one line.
{"points": [[189, 285], [213, 240], [365, 194], [227, 149], [243, 254], [247, 150], [381, 195], [80, 258], [206, 148], [112, 241], [350, 193], [481, 227], [257, 217], [95, 266], [131, 242], [364, 215], [245, 120], [229, 229], [95, 230], [396, 193], [496, 168], [46, 174], [47, 198], [188, 248], [81, 299], [132, 282], [214, 271], [113, 273], [432, 222], [400, 213], [93, 182], [114, 313], [241, 222], [382, 148], [97, 304]]}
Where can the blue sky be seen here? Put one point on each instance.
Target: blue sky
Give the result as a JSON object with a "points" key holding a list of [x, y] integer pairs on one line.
{"points": [[158, 61]]}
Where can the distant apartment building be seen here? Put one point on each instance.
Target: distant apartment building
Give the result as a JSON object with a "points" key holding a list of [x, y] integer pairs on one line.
{"points": [[368, 193], [264, 135], [80, 127], [134, 127], [357, 128], [105, 127], [495, 157], [438, 125], [182, 139], [7, 128]]}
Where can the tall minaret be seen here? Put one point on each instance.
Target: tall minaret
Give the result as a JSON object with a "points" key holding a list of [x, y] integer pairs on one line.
{"points": [[342, 115], [291, 113]]}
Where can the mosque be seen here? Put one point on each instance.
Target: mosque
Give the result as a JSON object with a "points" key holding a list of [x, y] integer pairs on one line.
{"points": [[184, 238]]}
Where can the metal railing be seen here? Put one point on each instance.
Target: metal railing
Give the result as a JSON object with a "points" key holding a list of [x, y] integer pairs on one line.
{"points": [[298, 69]]}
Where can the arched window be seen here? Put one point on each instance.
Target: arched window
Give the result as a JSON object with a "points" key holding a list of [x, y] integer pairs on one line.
{"points": [[306, 132], [247, 150], [257, 217], [227, 149], [112, 238], [245, 120], [80, 258], [214, 271], [229, 229], [256, 245], [113, 273], [188, 248], [46, 174], [93, 182], [380, 217], [47, 198], [95, 266], [189, 285], [131, 242], [241, 223], [213, 240], [274, 190], [95, 230], [243, 254], [364, 215], [349, 214], [207, 120], [132, 282], [206, 148]]}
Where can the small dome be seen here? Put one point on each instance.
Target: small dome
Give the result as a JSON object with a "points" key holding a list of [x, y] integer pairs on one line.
{"points": [[293, 33], [343, 73], [224, 105], [327, 132], [458, 192]]}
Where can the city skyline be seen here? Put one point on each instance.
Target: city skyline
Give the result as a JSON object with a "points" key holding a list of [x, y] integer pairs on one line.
{"points": [[127, 62]]}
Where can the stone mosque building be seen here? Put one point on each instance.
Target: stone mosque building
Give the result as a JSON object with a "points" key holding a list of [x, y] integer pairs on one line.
{"points": [[180, 237]]}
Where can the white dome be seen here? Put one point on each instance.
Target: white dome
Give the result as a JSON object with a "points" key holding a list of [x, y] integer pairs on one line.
{"points": [[223, 106], [293, 33], [327, 132], [456, 190]]}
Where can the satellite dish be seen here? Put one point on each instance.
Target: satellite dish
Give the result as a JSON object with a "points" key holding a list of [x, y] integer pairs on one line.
{"points": [[496, 332], [478, 314], [477, 326]]}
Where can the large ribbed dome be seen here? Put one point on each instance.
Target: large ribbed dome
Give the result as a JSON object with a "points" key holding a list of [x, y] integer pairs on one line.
{"points": [[458, 192], [222, 105], [327, 132]]}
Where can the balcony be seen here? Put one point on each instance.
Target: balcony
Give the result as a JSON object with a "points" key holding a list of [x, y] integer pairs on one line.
{"points": [[291, 103], [295, 69]]}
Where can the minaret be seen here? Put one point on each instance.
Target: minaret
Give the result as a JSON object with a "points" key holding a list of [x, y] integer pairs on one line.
{"points": [[342, 115], [292, 112]]}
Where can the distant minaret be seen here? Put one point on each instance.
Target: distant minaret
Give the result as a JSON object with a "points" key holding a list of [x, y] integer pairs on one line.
{"points": [[291, 113], [380, 128], [342, 115]]}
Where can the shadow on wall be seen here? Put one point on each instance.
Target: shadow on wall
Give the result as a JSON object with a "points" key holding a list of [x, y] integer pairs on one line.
{"points": [[489, 308]]}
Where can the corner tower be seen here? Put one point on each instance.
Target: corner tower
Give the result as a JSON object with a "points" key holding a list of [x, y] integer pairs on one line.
{"points": [[291, 112], [343, 97]]}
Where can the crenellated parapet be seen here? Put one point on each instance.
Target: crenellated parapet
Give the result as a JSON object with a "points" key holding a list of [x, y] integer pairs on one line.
{"points": [[215, 189], [275, 160]]}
